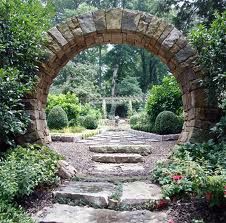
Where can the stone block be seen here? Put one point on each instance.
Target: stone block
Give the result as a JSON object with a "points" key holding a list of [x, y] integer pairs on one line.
{"points": [[184, 54], [100, 21], [116, 38], [153, 26], [65, 170], [87, 24], [66, 32], [171, 39], [114, 19], [56, 34], [145, 19], [130, 20], [117, 158]]}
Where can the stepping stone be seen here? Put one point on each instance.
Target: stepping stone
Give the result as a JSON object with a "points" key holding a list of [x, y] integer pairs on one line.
{"points": [[138, 142], [114, 141], [117, 158], [59, 213], [143, 149], [93, 193], [116, 169], [100, 139], [136, 193]]}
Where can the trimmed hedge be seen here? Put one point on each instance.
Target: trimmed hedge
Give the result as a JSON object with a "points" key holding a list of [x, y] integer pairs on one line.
{"points": [[89, 122], [168, 123], [57, 118]]}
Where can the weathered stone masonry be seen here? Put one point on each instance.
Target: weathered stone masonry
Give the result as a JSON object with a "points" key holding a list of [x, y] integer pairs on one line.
{"points": [[118, 26]]}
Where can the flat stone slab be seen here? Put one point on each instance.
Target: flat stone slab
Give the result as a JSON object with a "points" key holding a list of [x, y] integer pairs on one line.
{"points": [[138, 192], [117, 158], [138, 142], [117, 169], [59, 213], [92, 193], [114, 141], [137, 149]]}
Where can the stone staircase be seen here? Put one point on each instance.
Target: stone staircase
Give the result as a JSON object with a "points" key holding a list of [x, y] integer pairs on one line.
{"points": [[101, 201]]}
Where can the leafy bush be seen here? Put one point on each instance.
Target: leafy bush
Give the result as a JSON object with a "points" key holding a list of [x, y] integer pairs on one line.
{"points": [[24, 168], [141, 122], [21, 33], [57, 118], [198, 169], [166, 96], [69, 103], [11, 214], [167, 123], [89, 122]]}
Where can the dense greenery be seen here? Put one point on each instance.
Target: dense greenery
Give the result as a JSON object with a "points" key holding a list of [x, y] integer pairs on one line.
{"points": [[21, 33], [75, 112], [167, 123], [57, 118], [166, 96], [21, 170], [198, 169]]}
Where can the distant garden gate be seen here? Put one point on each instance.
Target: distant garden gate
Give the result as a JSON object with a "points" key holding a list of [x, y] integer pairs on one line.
{"points": [[122, 26]]}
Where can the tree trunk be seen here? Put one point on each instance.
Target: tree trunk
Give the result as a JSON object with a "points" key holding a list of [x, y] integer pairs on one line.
{"points": [[113, 87], [100, 68]]}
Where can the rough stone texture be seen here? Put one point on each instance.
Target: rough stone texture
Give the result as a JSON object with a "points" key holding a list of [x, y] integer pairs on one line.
{"points": [[92, 193], [87, 24], [68, 214], [114, 19], [143, 150], [116, 169], [65, 170], [130, 20], [130, 27], [117, 158], [138, 192]]}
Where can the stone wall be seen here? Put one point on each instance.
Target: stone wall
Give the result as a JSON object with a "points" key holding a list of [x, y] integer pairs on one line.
{"points": [[118, 26]]}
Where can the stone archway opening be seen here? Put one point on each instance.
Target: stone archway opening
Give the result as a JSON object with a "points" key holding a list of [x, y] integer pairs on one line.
{"points": [[122, 26]]}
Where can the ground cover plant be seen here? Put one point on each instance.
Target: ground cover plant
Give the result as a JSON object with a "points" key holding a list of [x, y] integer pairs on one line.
{"points": [[22, 169]]}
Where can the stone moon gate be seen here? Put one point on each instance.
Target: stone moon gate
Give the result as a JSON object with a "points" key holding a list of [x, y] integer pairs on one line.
{"points": [[122, 26]]}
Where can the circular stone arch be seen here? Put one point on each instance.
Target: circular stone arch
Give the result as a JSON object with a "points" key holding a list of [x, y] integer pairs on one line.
{"points": [[122, 26]]}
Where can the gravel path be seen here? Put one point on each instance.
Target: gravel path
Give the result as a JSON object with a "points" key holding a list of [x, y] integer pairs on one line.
{"points": [[79, 156]]}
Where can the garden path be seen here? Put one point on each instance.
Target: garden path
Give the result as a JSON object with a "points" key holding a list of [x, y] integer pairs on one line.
{"points": [[114, 187]]}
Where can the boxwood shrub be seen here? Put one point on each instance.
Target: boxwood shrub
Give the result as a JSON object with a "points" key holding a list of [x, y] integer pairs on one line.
{"points": [[57, 118]]}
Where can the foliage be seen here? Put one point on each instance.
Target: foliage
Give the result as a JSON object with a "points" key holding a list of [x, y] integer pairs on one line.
{"points": [[167, 123], [189, 13], [24, 168], [71, 129], [21, 32], [11, 214], [210, 43], [130, 109], [129, 86], [69, 103], [13, 120], [141, 122], [198, 169], [89, 122], [166, 96], [57, 118]]}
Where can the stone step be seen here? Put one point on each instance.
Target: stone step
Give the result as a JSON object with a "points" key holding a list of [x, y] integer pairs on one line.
{"points": [[95, 194], [110, 169], [117, 158], [137, 149], [60, 213], [140, 193]]}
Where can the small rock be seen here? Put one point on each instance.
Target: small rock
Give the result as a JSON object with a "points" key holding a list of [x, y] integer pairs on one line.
{"points": [[65, 170]]}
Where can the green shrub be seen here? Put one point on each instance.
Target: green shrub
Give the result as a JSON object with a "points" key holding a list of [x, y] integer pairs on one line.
{"points": [[167, 123], [11, 214], [141, 122], [69, 103], [197, 169], [24, 168], [166, 96], [89, 122], [57, 118]]}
